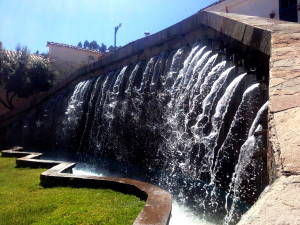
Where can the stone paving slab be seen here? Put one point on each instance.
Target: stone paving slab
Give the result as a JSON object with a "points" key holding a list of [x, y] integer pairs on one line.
{"points": [[288, 131], [279, 205], [158, 205]]}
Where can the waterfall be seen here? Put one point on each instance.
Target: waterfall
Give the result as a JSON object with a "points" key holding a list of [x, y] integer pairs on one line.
{"points": [[236, 136], [210, 141], [146, 75], [75, 110], [89, 124], [174, 69], [186, 114], [76, 103], [225, 157], [198, 96], [252, 145], [208, 103]]}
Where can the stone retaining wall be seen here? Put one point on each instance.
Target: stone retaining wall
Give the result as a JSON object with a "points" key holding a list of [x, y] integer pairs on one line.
{"points": [[281, 203], [187, 32], [158, 202]]}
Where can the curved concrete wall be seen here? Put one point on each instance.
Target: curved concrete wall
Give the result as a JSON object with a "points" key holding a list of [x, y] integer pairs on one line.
{"points": [[267, 41], [157, 209]]}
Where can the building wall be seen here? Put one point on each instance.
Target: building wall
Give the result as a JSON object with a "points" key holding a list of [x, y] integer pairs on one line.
{"points": [[67, 60], [261, 8]]}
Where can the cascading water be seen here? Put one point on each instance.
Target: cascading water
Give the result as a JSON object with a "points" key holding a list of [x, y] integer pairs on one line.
{"points": [[252, 145], [188, 116], [75, 109]]}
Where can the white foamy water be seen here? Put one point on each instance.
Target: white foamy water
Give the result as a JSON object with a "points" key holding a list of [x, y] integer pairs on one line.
{"points": [[180, 214], [183, 215], [86, 172]]}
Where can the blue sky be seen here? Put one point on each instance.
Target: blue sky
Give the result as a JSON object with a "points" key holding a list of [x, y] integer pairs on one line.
{"points": [[34, 22]]}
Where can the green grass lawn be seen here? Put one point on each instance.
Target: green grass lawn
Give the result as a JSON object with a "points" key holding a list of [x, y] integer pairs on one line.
{"points": [[24, 201]]}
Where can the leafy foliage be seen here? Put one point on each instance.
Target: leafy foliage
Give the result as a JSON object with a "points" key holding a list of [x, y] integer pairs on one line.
{"points": [[94, 45], [111, 48], [103, 48], [79, 44], [23, 77], [5, 68], [86, 44], [41, 77]]}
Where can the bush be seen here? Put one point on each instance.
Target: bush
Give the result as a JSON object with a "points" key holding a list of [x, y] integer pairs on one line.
{"points": [[23, 76]]}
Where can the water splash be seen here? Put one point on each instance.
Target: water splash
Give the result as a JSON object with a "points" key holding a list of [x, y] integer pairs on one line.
{"points": [[252, 145], [185, 113]]}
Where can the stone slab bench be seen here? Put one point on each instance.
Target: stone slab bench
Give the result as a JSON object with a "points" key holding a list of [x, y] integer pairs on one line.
{"points": [[157, 209]]}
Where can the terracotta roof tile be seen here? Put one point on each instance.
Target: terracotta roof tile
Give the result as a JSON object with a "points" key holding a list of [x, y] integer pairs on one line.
{"points": [[32, 57], [74, 47]]}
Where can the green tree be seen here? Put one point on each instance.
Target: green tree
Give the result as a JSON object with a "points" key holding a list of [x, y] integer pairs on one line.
{"points": [[86, 44], [111, 48], [94, 45], [22, 77], [6, 70], [17, 76], [79, 44], [103, 48], [41, 77]]}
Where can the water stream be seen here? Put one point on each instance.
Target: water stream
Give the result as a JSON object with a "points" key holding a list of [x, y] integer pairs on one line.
{"points": [[186, 117]]}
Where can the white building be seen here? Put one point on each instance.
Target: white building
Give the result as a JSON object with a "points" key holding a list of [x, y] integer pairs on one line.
{"points": [[68, 58], [287, 10]]}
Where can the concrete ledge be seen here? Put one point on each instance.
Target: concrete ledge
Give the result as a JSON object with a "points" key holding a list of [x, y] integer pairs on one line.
{"points": [[158, 205]]}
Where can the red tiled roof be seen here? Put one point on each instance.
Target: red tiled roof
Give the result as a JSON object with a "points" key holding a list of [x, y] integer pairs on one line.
{"points": [[216, 3], [32, 57], [74, 47]]}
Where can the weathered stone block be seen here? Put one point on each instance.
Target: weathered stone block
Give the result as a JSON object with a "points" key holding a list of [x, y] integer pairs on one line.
{"points": [[247, 35], [278, 206], [265, 42]]}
